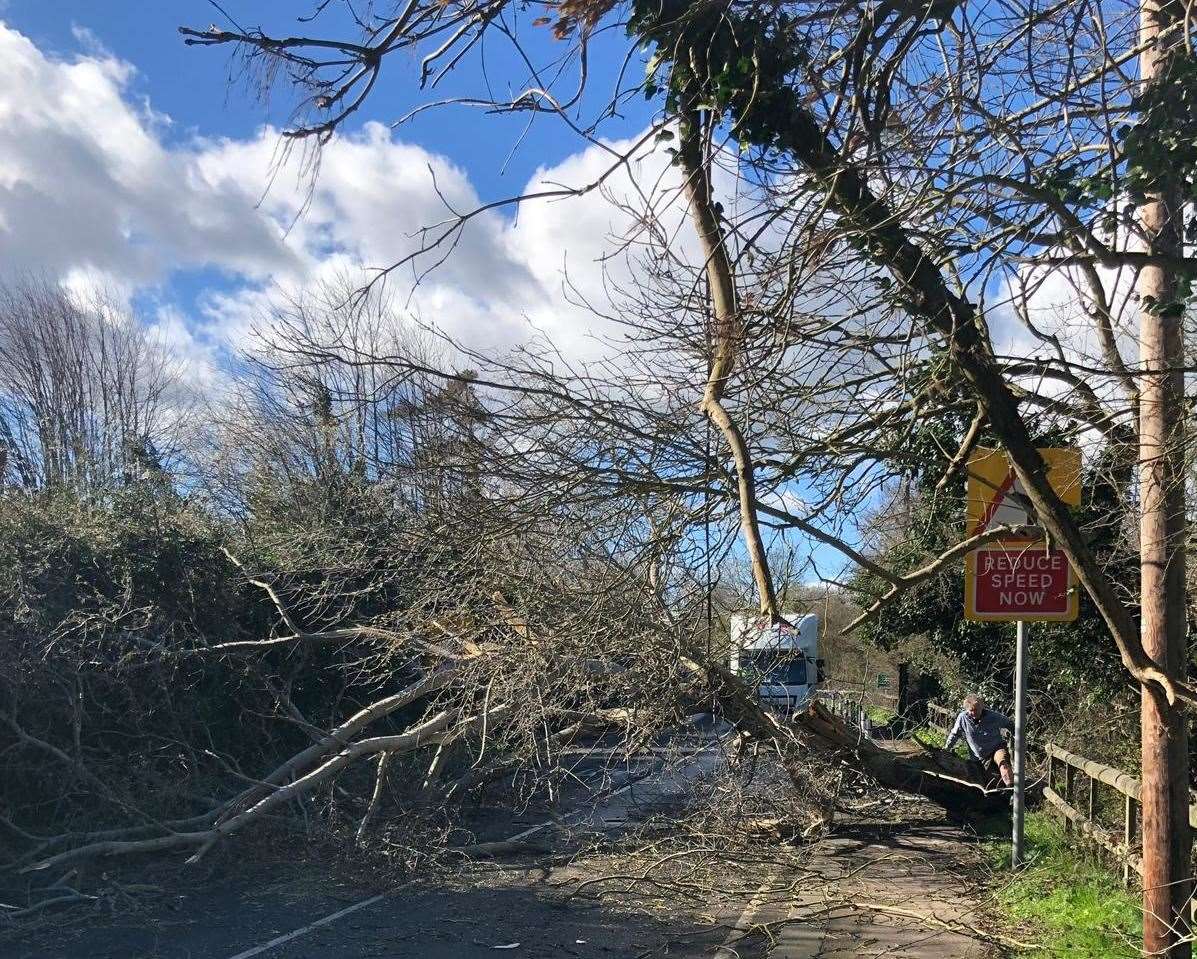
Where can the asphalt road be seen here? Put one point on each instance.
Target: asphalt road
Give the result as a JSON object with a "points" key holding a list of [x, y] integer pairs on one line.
{"points": [[308, 911], [896, 890]]}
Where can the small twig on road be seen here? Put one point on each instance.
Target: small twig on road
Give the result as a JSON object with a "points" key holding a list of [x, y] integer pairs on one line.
{"points": [[46, 903], [962, 928]]}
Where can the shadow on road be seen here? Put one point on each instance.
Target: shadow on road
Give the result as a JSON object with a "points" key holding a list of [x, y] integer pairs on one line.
{"points": [[473, 915]]}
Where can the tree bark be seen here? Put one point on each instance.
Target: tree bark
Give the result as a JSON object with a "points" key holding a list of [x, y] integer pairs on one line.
{"points": [[1165, 816], [928, 296], [724, 344], [939, 775]]}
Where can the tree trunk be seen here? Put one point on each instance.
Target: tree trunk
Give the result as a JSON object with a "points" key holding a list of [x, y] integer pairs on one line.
{"points": [[937, 774], [1165, 823], [724, 345]]}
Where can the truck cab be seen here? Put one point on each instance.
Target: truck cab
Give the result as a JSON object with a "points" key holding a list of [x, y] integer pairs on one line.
{"points": [[779, 660]]}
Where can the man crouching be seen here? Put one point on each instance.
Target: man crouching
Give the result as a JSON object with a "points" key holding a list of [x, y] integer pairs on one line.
{"points": [[982, 728]]}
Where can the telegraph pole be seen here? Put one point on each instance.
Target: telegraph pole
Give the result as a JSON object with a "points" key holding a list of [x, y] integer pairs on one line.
{"points": [[1166, 840]]}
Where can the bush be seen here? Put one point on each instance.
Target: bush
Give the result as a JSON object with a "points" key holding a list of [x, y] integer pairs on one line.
{"points": [[103, 605]]}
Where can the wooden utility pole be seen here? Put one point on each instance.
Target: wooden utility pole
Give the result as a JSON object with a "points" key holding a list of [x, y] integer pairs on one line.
{"points": [[1165, 815]]}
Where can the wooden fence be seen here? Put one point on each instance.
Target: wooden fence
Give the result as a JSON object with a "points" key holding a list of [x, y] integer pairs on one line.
{"points": [[939, 718], [849, 708], [863, 692], [1080, 809], [1063, 771]]}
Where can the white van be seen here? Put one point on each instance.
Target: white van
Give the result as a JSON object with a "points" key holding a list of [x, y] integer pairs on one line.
{"points": [[779, 660]]}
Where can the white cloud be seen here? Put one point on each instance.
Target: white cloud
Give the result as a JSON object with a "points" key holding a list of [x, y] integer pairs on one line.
{"points": [[787, 498], [506, 274], [1058, 301], [1049, 313], [86, 184], [88, 188], [198, 357]]}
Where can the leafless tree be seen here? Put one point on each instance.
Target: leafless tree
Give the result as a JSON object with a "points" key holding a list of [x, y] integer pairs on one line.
{"points": [[87, 397], [289, 420], [967, 161]]}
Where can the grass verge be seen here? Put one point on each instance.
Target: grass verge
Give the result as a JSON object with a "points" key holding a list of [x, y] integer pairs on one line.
{"points": [[1075, 906], [931, 737]]}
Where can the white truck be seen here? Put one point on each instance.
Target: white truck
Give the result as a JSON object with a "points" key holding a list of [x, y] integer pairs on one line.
{"points": [[779, 660]]}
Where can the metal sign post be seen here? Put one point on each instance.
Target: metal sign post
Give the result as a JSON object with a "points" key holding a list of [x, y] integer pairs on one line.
{"points": [[1020, 716]]}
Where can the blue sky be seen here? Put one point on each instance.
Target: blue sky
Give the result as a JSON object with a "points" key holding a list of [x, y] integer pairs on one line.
{"points": [[143, 146], [190, 83], [139, 166]]}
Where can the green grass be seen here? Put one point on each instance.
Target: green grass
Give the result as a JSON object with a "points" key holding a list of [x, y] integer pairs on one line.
{"points": [[1076, 907], [880, 715]]}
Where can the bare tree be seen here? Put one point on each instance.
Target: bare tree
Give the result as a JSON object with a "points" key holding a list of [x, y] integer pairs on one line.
{"points": [[87, 398], [298, 418], [961, 161]]}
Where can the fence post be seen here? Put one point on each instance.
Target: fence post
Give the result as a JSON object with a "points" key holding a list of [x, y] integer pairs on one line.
{"points": [[1130, 814], [1069, 791]]}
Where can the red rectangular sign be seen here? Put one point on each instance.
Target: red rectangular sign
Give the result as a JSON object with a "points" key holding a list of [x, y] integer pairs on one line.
{"points": [[1021, 581]]}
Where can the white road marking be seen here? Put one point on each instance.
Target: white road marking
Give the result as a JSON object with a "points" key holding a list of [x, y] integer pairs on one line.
{"points": [[278, 941], [739, 927]]}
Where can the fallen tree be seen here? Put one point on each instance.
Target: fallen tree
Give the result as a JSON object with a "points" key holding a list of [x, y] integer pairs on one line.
{"points": [[935, 773], [448, 705]]}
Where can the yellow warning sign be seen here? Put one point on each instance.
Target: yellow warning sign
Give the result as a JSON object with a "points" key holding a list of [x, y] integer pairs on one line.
{"points": [[1017, 576]]}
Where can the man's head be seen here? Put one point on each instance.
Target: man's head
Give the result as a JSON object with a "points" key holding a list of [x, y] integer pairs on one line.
{"points": [[974, 706]]}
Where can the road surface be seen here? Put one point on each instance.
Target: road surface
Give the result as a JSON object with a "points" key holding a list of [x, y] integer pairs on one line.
{"points": [[874, 888]]}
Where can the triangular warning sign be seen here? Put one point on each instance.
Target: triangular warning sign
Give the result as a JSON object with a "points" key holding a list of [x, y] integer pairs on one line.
{"points": [[1006, 508]]}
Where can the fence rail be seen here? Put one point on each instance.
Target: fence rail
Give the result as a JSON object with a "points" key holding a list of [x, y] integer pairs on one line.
{"points": [[861, 691], [1064, 796], [940, 718]]}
